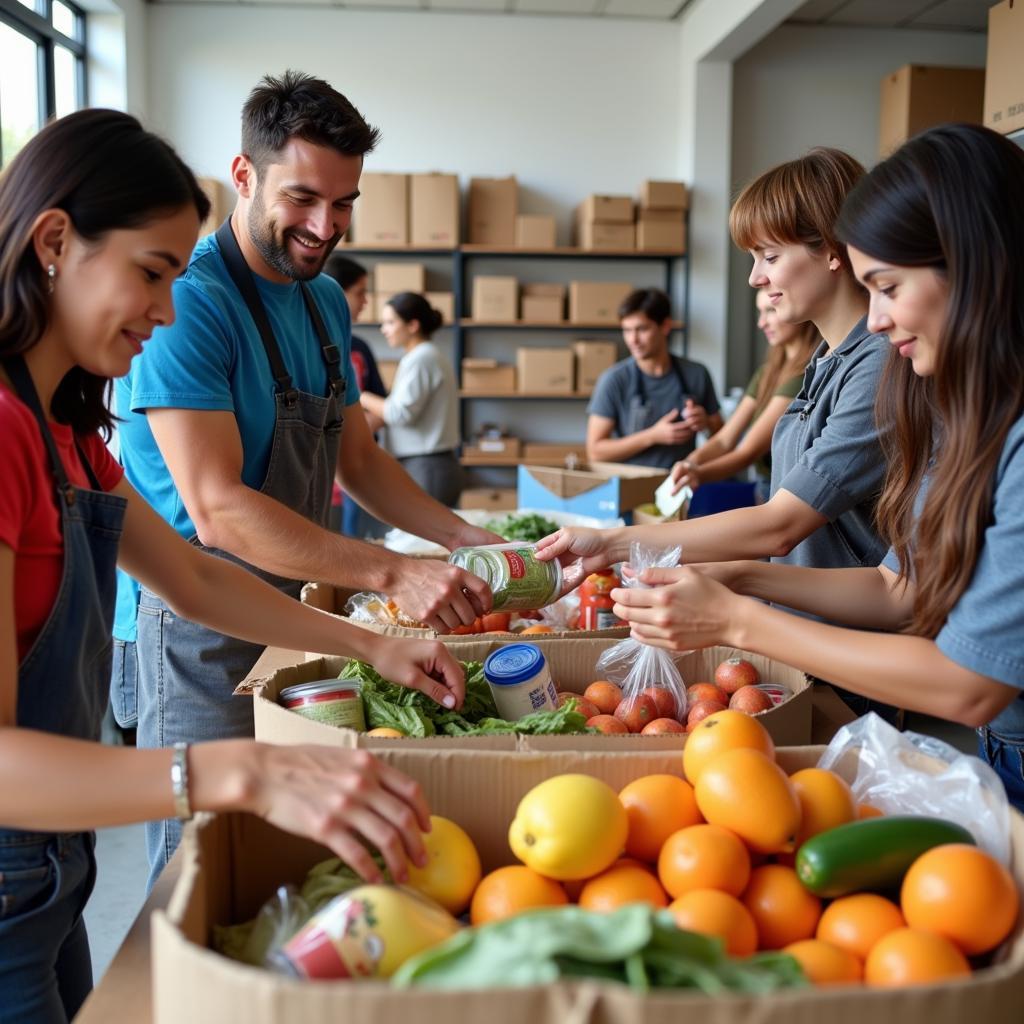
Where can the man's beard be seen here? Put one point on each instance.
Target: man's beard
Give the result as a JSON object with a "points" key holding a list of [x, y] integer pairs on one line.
{"points": [[275, 254]]}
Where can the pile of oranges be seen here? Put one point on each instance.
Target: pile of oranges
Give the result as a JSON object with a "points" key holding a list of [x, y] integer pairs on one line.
{"points": [[717, 849]]}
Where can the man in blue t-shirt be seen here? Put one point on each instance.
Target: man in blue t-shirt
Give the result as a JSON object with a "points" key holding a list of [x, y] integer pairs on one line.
{"points": [[239, 415], [648, 409]]}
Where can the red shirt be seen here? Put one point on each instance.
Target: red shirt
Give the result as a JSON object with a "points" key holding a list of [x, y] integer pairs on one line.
{"points": [[29, 517]]}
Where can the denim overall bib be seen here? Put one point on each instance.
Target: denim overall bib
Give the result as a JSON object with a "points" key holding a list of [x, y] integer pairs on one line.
{"points": [[640, 415], [46, 877], [187, 672]]}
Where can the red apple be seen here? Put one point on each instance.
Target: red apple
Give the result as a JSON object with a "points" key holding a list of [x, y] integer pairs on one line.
{"points": [[734, 673]]}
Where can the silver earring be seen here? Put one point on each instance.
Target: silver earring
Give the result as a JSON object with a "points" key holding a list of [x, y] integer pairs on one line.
{"points": [[51, 277]]}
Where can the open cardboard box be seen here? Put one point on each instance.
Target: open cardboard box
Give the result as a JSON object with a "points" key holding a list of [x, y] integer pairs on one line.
{"points": [[571, 663], [594, 489], [233, 863]]}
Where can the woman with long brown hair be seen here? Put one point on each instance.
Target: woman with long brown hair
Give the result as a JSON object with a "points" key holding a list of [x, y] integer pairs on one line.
{"points": [[746, 438], [935, 233]]}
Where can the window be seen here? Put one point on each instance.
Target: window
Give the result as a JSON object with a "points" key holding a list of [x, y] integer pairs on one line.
{"points": [[42, 67]]}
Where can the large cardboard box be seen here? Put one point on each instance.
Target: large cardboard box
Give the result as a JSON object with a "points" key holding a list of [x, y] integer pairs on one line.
{"points": [[592, 359], [916, 97], [382, 210], [571, 660], [444, 303], [493, 205], [222, 202], [548, 370], [495, 299], [391, 278], [606, 209], [488, 376], [661, 230], [1004, 69], [600, 489], [535, 231], [434, 210], [596, 236], [541, 451], [664, 195], [489, 446], [542, 303], [490, 499], [596, 302]]}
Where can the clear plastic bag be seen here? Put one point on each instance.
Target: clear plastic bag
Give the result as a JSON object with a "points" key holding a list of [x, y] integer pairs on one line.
{"points": [[379, 610], [637, 666], [907, 773], [257, 941], [563, 614]]}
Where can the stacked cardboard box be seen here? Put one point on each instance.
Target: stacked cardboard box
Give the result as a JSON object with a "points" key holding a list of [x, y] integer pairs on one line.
{"points": [[488, 377], [444, 303], [382, 210], [661, 217], [545, 370], [495, 299], [534, 231], [493, 205], [605, 223], [542, 303], [491, 499], [434, 210], [596, 302], [1004, 69], [592, 359], [392, 278]]}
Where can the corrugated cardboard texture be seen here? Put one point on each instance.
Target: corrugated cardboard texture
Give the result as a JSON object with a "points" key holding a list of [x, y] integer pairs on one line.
{"points": [[493, 205], [596, 301], [596, 236], [633, 485], [234, 862], [664, 195], [535, 231], [495, 298], [661, 230], [444, 303], [497, 379], [493, 499], [1004, 69], [606, 209], [391, 278], [592, 359], [434, 209], [382, 213], [571, 660], [545, 369]]}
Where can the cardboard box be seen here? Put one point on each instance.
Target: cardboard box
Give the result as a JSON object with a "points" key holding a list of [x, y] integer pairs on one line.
{"points": [[559, 453], [488, 376], [917, 97], [592, 359], [606, 209], [664, 195], [382, 210], [391, 278], [493, 205], [494, 499], [507, 447], [1004, 69], [369, 313], [535, 231], [595, 236], [223, 882], [545, 369], [542, 303], [388, 368], [222, 202], [434, 210], [596, 302], [661, 230], [444, 303], [601, 489], [495, 299]]}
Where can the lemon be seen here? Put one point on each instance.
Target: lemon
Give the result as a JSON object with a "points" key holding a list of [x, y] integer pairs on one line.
{"points": [[569, 827], [453, 869], [383, 730]]}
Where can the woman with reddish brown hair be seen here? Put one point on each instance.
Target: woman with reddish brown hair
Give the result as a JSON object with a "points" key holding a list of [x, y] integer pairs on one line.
{"points": [[934, 233]]}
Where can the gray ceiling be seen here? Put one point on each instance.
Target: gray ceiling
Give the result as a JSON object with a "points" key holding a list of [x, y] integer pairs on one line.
{"points": [[962, 15]]}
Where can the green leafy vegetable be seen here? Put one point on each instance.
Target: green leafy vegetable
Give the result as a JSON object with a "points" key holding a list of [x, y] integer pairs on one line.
{"points": [[525, 526]]}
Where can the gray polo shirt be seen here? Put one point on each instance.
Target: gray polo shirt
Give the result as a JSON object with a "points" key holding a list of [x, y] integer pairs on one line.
{"points": [[636, 401], [825, 450], [985, 628]]}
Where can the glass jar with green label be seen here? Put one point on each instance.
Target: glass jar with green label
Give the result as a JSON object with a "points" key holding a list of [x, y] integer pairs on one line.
{"points": [[517, 579]]}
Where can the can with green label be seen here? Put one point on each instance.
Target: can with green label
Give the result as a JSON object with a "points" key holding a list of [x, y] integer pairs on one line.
{"points": [[517, 579]]}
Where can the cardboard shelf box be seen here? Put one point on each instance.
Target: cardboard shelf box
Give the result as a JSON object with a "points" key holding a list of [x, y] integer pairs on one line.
{"points": [[232, 863], [542, 303], [596, 236], [592, 359], [434, 210], [493, 207], [444, 303], [545, 370], [603, 209], [1004, 69], [391, 278], [495, 299], [664, 195], [490, 499], [488, 376], [535, 231], [510, 446], [601, 489], [382, 212], [222, 202], [554, 452], [596, 302], [661, 230]]}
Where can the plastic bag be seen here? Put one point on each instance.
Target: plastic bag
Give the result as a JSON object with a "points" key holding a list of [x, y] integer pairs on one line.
{"points": [[632, 664], [379, 610], [255, 942], [563, 615], [906, 773]]}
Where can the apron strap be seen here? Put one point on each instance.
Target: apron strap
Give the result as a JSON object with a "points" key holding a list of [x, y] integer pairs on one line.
{"points": [[331, 353], [25, 389]]}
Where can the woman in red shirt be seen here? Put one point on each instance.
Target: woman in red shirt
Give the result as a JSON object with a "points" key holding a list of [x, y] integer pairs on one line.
{"points": [[97, 217]]}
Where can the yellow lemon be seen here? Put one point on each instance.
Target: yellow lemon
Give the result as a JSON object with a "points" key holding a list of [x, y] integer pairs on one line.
{"points": [[453, 870], [569, 827], [383, 730]]}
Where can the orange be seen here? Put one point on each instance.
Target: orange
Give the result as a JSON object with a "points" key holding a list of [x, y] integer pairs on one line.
{"points": [[826, 801], [868, 811], [963, 893], [825, 964], [910, 956], [530, 630], [704, 857], [783, 910], [746, 792], [855, 923], [722, 731], [626, 881], [711, 912], [511, 890], [657, 806], [605, 695]]}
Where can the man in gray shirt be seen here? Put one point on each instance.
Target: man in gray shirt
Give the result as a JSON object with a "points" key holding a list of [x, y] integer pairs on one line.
{"points": [[648, 409]]}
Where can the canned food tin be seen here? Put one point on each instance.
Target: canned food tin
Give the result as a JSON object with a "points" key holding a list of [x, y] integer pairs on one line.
{"points": [[334, 702], [517, 579], [520, 682], [778, 692]]}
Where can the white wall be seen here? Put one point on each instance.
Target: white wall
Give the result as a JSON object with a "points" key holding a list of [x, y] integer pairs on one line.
{"points": [[808, 86]]}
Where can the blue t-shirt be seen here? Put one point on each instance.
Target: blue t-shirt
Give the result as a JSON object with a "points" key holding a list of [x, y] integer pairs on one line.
{"points": [[985, 628], [212, 357]]}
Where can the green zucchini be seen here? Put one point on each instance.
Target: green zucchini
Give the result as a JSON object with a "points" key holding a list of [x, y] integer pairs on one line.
{"points": [[871, 854]]}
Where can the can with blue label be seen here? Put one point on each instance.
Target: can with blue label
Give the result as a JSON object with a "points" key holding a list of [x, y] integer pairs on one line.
{"points": [[520, 681]]}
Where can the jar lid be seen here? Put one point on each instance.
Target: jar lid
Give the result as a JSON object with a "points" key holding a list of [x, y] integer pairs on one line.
{"points": [[513, 663], [341, 687]]}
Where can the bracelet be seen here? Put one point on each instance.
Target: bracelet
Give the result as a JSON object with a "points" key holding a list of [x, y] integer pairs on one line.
{"points": [[179, 782]]}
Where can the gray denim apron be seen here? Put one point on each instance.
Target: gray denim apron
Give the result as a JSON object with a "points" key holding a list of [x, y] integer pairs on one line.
{"points": [[46, 877], [641, 414], [187, 672]]}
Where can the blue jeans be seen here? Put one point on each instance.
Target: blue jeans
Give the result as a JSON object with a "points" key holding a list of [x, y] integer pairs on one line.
{"points": [[124, 684], [45, 966], [1007, 758]]}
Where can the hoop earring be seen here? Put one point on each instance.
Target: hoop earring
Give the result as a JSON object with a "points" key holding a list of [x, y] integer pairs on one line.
{"points": [[51, 278]]}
